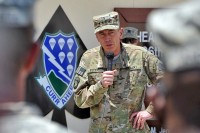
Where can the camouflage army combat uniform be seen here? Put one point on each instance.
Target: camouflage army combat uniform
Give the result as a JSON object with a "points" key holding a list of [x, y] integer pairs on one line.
{"points": [[110, 110], [25, 118]]}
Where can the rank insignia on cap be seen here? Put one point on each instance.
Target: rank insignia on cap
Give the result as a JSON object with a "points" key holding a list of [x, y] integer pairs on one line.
{"points": [[106, 21]]}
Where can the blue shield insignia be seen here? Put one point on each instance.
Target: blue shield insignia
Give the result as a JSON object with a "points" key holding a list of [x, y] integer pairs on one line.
{"points": [[59, 57]]}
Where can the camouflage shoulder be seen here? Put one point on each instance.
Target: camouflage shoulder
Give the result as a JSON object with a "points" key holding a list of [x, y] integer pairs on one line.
{"points": [[86, 59], [92, 51], [134, 47], [137, 49], [141, 49]]}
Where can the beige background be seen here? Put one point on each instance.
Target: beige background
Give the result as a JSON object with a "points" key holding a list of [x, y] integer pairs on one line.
{"points": [[80, 13]]}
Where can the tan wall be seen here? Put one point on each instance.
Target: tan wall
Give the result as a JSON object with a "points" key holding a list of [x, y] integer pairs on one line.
{"points": [[80, 13]]}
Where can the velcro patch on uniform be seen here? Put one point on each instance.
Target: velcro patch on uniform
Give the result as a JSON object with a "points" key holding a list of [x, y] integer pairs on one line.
{"points": [[76, 82], [80, 71]]}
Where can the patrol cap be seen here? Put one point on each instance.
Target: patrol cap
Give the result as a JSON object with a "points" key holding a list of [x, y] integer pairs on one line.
{"points": [[106, 21], [177, 33], [16, 13], [130, 32]]}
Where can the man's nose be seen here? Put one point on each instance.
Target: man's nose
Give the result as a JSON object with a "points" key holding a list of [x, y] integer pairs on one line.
{"points": [[107, 38]]}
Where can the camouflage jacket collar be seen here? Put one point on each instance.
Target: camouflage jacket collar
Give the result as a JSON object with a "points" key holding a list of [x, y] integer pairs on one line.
{"points": [[123, 57]]}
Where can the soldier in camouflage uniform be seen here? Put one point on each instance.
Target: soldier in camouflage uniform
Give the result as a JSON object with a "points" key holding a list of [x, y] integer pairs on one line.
{"points": [[17, 58], [179, 38], [130, 35], [115, 97]]}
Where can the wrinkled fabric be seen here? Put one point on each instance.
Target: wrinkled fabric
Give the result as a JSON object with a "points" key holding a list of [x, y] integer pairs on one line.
{"points": [[110, 108]]}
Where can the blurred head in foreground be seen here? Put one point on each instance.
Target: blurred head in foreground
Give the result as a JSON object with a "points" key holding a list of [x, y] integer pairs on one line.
{"points": [[17, 50], [18, 54], [177, 33]]}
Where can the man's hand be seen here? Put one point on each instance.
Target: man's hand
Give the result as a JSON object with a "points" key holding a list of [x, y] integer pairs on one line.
{"points": [[140, 118], [107, 78]]}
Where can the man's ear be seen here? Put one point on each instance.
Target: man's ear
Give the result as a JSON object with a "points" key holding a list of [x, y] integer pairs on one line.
{"points": [[121, 30], [32, 57], [97, 37]]}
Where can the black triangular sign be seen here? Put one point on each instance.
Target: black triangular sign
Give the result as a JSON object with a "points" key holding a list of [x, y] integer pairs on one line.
{"points": [[58, 22]]}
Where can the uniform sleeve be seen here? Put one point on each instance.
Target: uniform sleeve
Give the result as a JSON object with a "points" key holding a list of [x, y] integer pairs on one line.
{"points": [[86, 95], [154, 69], [150, 108]]}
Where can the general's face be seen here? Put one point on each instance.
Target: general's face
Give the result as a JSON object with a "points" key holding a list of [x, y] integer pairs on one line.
{"points": [[110, 40]]}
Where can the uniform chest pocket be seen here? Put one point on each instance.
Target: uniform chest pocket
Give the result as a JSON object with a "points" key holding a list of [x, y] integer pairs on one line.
{"points": [[138, 80], [138, 77], [94, 77]]}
